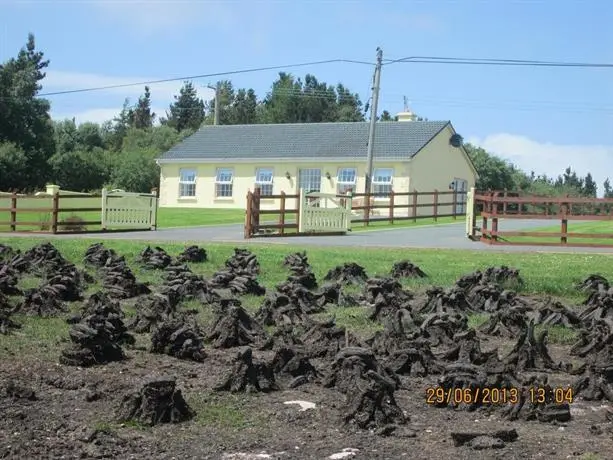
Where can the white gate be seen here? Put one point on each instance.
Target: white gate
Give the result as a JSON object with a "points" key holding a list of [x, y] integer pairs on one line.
{"points": [[470, 212], [324, 212], [122, 209]]}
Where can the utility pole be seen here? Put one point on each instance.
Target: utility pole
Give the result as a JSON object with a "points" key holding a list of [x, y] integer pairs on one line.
{"points": [[216, 89], [373, 121]]}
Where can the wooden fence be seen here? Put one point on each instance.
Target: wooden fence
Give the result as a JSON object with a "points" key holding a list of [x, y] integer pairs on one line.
{"points": [[280, 218], [67, 212], [508, 205]]}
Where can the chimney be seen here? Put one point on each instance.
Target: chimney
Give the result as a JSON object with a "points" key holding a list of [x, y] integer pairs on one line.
{"points": [[406, 116]]}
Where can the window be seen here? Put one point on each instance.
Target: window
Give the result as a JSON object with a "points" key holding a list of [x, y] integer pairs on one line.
{"points": [[310, 180], [382, 182], [223, 183], [345, 180], [187, 183], [263, 180]]}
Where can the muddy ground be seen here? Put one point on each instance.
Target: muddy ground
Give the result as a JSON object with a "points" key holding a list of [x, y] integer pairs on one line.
{"points": [[50, 410]]}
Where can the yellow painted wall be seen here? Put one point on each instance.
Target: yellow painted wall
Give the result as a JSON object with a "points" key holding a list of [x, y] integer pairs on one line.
{"points": [[244, 180], [435, 167]]}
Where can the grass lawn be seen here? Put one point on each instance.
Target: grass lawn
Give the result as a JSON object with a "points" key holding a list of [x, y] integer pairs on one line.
{"points": [[31, 219], [167, 217], [593, 228], [550, 274]]}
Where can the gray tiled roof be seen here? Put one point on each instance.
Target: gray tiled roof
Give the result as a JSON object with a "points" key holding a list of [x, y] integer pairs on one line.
{"points": [[394, 140]]}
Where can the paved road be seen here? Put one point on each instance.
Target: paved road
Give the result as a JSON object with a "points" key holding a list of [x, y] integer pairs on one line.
{"points": [[444, 236]]}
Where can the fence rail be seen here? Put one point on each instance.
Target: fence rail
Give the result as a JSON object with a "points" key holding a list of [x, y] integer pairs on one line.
{"points": [[499, 205], [279, 219], [64, 213]]}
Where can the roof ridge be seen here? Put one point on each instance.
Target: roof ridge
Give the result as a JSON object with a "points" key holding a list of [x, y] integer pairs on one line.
{"points": [[319, 123]]}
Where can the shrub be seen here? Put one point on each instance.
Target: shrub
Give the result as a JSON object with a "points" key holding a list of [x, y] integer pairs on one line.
{"points": [[72, 223], [44, 220]]}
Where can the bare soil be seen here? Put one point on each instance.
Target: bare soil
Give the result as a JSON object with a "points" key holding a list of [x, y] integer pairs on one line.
{"points": [[73, 417], [49, 410]]}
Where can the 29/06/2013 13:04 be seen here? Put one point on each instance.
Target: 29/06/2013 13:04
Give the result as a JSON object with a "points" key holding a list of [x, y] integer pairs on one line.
{"points": [[477, 395]]}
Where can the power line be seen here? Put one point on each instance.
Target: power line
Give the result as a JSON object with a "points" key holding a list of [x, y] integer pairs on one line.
{"points": [[217, 74], [495, 62]]}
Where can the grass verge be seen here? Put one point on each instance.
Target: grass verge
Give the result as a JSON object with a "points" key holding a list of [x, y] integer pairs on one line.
{"points": [[595, 228], [29, 219]]}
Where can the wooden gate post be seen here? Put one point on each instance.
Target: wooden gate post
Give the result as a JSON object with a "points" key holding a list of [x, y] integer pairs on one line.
{"points": [[103, 208], [247, 233], [301, 208], [348, 209]]}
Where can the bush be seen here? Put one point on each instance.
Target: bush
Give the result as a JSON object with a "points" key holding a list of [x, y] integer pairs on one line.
{"points": [[72, 223]]}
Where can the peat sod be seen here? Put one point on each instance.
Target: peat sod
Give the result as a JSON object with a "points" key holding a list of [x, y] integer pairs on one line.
{"points": [[424, 341]]}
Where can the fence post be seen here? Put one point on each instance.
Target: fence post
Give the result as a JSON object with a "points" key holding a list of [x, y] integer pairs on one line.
{"points": [[564, 225], [414, 206], [435, 205], [256, 209], [495, 222], [348, 208], [54, 212], [247, 234], [504, 205], [301, 207], [367, 209], [103, 209], [14, 212], [391, 214], [454, 204], [282, 214], [153, 213]]}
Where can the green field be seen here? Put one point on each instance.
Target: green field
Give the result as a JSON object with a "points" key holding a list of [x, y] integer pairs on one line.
{"points": [[167, 217], [29, 219], [544, 274], [592, 228]]}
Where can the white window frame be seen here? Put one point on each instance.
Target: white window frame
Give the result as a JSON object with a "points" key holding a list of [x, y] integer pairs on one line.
{"points": [[382, 183], [223, 185], [264, 180], [344, 182], [187, 182]]}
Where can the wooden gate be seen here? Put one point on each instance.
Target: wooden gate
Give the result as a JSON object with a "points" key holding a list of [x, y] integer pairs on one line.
{"points": [[324, 212], [122, 209]]}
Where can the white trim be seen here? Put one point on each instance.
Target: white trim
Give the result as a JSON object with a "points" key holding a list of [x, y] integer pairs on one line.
{"points": [[220, 183], [272, 161], [267, 169], [188, 182], [344, 182]]}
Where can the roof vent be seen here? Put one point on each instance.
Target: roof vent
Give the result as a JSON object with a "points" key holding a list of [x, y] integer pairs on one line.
{"points": [[406, 116]]}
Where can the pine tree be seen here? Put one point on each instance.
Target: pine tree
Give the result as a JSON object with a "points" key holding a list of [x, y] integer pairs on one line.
{"points": [[187, 112]]}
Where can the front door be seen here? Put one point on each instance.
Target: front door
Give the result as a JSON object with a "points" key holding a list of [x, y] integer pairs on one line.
{"points": [[310, 181], [460, 186]]}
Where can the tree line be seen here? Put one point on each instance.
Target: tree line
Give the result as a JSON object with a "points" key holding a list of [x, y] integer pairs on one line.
{"points": [[121, 153]]}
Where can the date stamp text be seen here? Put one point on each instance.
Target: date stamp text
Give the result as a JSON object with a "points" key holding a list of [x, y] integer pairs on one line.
{"points": [[492, 396]]}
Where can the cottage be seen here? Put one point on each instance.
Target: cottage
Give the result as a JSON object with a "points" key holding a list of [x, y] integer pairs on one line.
{"points": [[218, 165]]}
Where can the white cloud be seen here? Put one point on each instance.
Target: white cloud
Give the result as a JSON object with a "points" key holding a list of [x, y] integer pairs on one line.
{"points": [[98, 115], [61, 81], [548, 158], [166, 16], [107, 103]]}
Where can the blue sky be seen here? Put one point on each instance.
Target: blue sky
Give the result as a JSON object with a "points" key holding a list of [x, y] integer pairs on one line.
{"points": [[541, 118]]}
